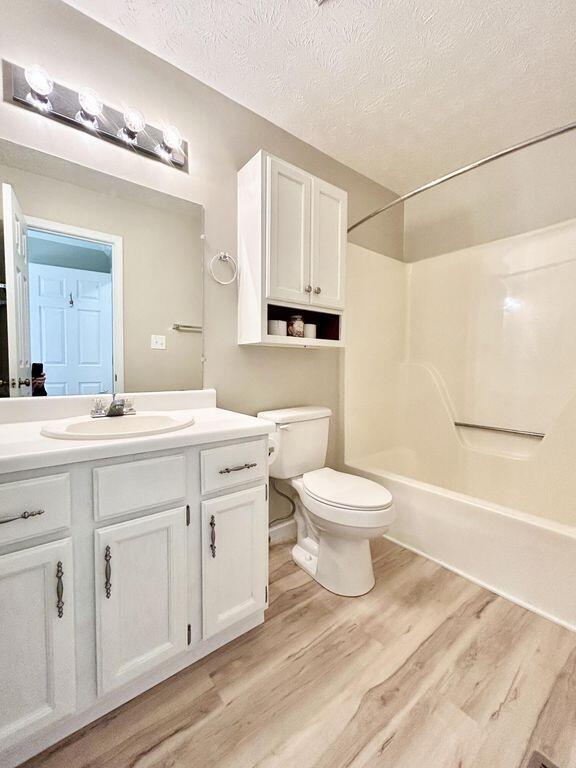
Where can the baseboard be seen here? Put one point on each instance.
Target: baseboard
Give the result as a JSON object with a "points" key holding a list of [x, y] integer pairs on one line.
{"points": [[528, 560], [282, 531]]}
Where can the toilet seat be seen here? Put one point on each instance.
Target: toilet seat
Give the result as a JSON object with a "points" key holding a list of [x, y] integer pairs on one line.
{"points": [[350, 500]]}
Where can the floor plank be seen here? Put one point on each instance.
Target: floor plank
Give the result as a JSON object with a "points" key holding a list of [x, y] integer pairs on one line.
{"points": [[427, 669]]}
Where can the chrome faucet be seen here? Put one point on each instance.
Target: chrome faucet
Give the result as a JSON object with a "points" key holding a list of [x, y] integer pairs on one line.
{"points": [[118, 406]]}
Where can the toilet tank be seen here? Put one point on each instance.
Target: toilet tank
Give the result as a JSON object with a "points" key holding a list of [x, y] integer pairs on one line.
{"points": [[301, 438]]}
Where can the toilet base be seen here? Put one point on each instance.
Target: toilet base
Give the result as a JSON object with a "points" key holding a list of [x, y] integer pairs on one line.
{"points": [[345, 565], [337, 556], [342, 566]]}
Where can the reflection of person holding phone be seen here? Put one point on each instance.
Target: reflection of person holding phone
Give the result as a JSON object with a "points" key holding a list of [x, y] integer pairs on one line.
{"points": [[38, 380]]}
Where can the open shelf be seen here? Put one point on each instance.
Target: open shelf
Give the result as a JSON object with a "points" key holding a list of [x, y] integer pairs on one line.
{"points": [[328, 326]]}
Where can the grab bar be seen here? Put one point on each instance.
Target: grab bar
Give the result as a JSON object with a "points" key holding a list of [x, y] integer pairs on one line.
{"points": [[506, 430]]}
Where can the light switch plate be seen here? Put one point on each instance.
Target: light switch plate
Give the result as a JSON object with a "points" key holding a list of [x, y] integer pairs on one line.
{"points": [[157, 342]]}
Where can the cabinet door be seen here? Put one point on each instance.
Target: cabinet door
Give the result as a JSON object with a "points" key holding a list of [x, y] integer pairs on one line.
{"points": [[288, 211], [140, 595], [234, 558], [37, 667], [329, 237]]}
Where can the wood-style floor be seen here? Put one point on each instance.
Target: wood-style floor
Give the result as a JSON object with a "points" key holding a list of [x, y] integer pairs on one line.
{"points": [[426, 671]]}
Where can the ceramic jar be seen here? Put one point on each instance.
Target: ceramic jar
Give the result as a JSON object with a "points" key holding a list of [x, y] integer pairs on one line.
{"points": [[296, 326]]}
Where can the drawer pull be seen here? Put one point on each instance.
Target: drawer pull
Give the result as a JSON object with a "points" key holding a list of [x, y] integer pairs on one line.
{"points": [[227, 470], [108, 572], [60, 589], [213, 535], [24, 516]]}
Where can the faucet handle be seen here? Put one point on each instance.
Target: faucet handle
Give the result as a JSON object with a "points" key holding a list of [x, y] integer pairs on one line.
{"points": [[97, 407]]}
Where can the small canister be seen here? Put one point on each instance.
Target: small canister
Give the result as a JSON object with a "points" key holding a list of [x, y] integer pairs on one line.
{"points": [[296, 326], [277, 327], [309, 330]]}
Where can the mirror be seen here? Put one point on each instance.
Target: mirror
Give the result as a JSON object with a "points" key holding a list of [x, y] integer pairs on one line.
{"points": [[101, 282]]}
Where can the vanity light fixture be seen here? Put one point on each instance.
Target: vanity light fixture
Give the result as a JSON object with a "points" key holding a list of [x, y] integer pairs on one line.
{"points": [[33, 88], [90, 108], [41, 86]]}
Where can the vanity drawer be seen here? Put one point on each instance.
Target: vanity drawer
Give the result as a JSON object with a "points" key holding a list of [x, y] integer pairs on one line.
{"points": [[232, 465], [138, 485], [33, 507]]}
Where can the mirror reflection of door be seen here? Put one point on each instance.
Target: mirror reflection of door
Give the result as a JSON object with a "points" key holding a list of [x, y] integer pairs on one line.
{"points": [[71, 323], [15, 370], [60, 295]]}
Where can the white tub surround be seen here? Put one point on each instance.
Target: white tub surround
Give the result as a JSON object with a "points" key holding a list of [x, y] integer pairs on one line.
{"points": [[122, 560], [526, 559]]}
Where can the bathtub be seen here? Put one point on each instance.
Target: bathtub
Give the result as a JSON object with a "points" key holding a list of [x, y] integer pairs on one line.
{"points": [[526, 559]]}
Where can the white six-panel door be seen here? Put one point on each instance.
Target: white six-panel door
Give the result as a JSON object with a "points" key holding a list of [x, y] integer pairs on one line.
{"points": [[234, 558], [288, 232], [37, 664], [141, 595], [71, 329], [329, 237], [17, 294]]}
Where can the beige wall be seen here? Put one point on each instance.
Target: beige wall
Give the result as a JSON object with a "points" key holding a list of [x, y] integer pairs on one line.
{"points": [[162, 254], [529, 190], [222, 137]]}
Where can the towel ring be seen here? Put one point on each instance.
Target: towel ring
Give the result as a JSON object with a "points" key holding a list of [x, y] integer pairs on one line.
{"points": [[223, 256]]}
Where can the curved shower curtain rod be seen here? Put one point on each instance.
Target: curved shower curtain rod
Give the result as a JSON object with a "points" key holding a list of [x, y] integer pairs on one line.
{"points": [[465, 169]]}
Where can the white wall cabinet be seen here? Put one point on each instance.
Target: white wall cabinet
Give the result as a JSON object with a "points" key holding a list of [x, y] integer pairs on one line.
{"points": [[37, 647], [141, 595], [292, 252], [288, 222], [329, 237], [234, 558]]}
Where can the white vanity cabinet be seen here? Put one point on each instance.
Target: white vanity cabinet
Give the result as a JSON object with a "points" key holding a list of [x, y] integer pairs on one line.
{"points": [[37, 639], [292, 252], [166, 552], [234, 558], [141, 595]]}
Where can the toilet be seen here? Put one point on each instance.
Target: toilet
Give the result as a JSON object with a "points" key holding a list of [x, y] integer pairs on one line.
{"points": [[336, 513]]}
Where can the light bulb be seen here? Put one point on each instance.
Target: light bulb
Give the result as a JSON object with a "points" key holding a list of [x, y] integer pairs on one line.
{"points": [[39, 80], [133, 123], [41, 86], [90, 102], [171, 142], [171, 137], [90, 108]]}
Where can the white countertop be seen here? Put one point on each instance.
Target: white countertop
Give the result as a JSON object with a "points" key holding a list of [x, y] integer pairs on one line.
{"points": [[22, 446]]}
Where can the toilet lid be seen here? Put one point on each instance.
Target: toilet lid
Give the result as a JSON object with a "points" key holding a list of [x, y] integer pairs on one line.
{"points": [[342, 490]]}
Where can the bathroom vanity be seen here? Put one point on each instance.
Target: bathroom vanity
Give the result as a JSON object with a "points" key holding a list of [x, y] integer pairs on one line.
{"points": [[122, 560]]}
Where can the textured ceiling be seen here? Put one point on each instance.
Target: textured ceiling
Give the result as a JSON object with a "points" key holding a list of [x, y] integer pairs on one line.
{"points": [[401, 90]]}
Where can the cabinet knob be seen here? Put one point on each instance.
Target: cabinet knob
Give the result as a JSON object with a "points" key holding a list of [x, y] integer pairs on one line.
{"points": [[317, 290], [308, 289]]}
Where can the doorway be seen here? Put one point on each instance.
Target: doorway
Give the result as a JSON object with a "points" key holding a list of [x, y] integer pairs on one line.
{"points": [[74, 305]]}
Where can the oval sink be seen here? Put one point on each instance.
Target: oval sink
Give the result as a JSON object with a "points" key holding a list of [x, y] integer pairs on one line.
{"points": [[108, 428]]}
